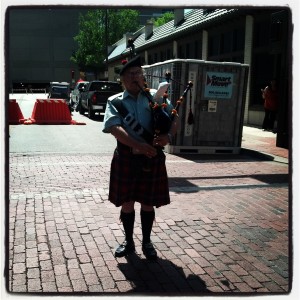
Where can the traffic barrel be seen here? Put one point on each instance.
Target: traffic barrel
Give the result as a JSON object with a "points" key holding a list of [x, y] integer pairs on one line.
{"points": [[15, 115], [51, 111]]}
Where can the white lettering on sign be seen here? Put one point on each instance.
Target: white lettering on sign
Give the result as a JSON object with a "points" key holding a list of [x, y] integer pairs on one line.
{"points": [[218, 85]]}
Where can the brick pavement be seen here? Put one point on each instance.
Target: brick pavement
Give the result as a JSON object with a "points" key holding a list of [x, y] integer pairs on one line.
{"points": [[226, 229], [263, 142]]}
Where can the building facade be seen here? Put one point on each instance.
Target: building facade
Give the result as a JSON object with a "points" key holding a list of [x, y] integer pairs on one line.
{"points": [[40, 42], [259, 37]]}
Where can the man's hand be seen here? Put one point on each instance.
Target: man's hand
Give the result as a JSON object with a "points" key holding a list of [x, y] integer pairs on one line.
{"points": [[146, 149], [161, 140]]}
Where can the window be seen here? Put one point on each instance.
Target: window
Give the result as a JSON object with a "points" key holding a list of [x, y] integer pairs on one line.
{"points": [[238, 40], [169, 55], [180, 51], [187, 50], [261, 34], [226, 42], [196, 54], [213, 45]]}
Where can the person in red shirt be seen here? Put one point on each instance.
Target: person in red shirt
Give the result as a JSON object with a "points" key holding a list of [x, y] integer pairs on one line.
{"points": [[271, 98]]}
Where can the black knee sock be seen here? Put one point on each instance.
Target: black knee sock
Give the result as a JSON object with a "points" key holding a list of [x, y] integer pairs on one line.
{"points": [[128, 224], [147, 218]]}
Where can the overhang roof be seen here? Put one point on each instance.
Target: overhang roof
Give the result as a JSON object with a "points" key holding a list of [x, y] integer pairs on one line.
{"points": [[194, 19]]}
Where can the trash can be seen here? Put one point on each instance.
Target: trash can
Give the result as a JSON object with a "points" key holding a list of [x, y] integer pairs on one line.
{"points": [[216, 101]]}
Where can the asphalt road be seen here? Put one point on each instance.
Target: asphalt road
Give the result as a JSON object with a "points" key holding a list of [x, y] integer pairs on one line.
{"points": [[58, 138]]}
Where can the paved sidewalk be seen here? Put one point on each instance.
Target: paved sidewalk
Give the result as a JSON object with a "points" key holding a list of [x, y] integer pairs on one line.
{"points": [[226, 230], [264, 143]]}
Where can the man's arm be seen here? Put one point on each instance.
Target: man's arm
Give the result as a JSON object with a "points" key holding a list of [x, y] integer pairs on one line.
{"points": [[138, 147]]}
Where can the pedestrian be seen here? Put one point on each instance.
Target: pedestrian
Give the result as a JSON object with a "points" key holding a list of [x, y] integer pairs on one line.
{"points": [[271, 98], [138, 170]]}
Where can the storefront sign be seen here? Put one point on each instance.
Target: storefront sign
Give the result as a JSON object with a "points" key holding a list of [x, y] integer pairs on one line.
{"points": [[218, 85]]}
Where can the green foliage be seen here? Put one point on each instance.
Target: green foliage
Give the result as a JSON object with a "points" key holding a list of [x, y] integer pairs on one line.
{"points": [[92, 39], [120, 22], [165, 18]]}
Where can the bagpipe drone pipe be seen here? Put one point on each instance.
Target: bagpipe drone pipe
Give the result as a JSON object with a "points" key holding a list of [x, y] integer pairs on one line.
{"points": [[162, 121]]}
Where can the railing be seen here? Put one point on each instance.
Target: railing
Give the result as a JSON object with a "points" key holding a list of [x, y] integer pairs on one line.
{"points": [[38, 90], [19, 90], [25, 90]]}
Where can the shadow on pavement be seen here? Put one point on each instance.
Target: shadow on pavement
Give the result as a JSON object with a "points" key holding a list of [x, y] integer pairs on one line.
{"points": [[160, 277], [266, 178], [186, 185], [245, 155], [97, 118]]}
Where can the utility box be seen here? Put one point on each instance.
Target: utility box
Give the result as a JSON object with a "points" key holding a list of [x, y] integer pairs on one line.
{"points": [[216, 101]]}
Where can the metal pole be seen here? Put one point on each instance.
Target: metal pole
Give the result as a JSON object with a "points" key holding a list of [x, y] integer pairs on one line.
{"points": [[106, 38]]}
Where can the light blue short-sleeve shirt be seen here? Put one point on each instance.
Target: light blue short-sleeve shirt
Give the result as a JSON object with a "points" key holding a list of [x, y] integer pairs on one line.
{"points": [[139, 108]]}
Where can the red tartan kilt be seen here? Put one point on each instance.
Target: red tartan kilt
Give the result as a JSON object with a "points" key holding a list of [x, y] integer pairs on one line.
{"points": [[128, 183]]}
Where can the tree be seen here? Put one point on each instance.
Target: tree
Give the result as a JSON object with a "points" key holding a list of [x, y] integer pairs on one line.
{"points": [[92, 38], [165, 18]]}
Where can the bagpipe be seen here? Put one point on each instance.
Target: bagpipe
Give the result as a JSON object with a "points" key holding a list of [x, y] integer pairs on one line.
{"points": [[162, 121]]}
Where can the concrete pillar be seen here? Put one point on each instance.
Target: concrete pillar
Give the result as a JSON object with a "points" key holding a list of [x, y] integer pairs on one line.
{"points": [[248, 60], [204, 45]]}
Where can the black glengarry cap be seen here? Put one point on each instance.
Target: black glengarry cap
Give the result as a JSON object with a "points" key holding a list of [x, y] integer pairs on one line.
{"points": [[134, 62]]}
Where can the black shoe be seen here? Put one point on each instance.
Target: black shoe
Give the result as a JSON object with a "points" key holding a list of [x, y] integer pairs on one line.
{"points": [[149, 251], [124, 249]]}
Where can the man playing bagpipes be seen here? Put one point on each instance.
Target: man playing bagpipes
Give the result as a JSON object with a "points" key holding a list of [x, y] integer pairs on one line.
{"points": [[138, 169]]}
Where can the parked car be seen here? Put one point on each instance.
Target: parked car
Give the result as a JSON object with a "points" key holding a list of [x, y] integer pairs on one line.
{"points": [[60, 90], [94, 97], [76, 92]]}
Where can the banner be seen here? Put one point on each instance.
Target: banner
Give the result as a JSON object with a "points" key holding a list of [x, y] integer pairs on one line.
{"points": [[218, 85]]}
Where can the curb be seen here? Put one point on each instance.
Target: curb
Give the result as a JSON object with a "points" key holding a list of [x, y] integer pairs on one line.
{"points": [[264, 156]]}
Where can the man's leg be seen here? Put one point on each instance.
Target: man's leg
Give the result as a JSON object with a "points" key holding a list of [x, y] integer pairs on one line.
{"points": [[127, 217], [147, 219]]}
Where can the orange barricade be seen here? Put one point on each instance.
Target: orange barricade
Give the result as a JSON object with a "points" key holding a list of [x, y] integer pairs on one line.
{"points": [[50, 111], [15, 115]]}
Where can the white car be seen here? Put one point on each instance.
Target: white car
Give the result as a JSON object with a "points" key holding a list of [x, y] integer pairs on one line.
{"points": [[78, 89]]}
